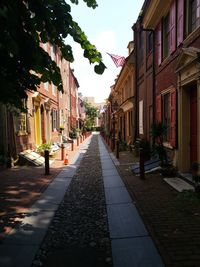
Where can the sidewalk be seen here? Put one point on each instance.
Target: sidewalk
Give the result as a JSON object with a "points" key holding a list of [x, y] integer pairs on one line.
{"points": [[132, 245], [21, 186], [171, 218], [68, 222]]}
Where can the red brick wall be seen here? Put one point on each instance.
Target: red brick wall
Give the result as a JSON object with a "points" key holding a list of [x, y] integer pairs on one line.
{"points": [[23, 142], [166, 76]]}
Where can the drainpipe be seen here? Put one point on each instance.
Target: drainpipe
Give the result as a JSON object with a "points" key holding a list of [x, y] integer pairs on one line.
{"points": [[153, 70], [135, 100]]}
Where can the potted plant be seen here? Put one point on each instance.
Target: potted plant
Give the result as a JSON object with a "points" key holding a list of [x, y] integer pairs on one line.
{"points": [[158, 132], [73, 133], [195, 176], [45, 146], [61, 127]]}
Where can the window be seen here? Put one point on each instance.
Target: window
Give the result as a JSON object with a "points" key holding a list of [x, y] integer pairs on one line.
{"points": [[53, 89], [149, 42], [54, 117], [21, 121], [61, 117], [166, 36], [166, 112], [53, 52], [192, 15], [46, 86], [180, 21]]}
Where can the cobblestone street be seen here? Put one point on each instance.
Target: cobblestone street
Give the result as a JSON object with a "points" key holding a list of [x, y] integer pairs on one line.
{"points": [[78, 234], [96, 222]]}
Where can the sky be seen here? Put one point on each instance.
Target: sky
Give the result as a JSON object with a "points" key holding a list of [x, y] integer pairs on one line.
{"points": [[109, 28]]}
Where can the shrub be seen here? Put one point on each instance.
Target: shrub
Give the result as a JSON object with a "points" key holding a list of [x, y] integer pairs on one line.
{"points": [[46, 146], [73, 133], [122, 145]]}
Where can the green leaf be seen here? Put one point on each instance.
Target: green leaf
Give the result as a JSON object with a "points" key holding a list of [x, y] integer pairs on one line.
{"points": [[99, 69]]}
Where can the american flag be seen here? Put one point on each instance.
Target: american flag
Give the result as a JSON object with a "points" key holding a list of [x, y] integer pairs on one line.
{"points": [[118, 60]]}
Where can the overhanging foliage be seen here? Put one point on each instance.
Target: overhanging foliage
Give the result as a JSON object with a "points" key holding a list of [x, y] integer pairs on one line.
{"points": [[24, 64]]}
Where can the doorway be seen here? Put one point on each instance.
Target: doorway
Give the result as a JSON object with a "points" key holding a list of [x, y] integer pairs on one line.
{"points": [[193, 125]]}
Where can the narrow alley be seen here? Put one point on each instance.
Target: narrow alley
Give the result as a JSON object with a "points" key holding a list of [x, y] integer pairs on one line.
{"points": [[96, 223]]}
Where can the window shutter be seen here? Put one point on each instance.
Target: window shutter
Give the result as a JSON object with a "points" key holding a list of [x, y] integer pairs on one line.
{"points": [[172, 26], [180, 21], [198, 12], [52, 122], [159, 43], [56, 119], [173, 118], [158, 108]]}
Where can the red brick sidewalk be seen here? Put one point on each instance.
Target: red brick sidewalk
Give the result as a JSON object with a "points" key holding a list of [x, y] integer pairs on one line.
{"points": [[172, 218], [21, 186]]}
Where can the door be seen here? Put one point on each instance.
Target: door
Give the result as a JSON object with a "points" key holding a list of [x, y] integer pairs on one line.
{"points": [[193, 125], [42, 124], [37, 118], [124, 129]]}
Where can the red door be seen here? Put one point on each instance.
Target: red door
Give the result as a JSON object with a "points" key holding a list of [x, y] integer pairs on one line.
{"points": [[193, 125]]}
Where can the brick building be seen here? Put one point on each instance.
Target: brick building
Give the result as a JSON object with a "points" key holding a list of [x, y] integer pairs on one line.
{"points": [[73, 93], [48, 111], [173, 89]]}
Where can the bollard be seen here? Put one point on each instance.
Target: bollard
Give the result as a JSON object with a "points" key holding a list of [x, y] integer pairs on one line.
{"points": [[142, 173], [62, 151], [77, 140], [117, 149], [72, 145], [113, 144], [46, 158]]}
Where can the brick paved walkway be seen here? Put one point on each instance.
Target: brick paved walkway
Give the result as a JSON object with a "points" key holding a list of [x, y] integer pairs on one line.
{"points": [[172, 218], [21, 186]]}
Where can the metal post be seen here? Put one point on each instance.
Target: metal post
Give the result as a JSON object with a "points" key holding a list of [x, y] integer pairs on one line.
{"points": [[72, 145], [62, 151], [142, 173], [117, 149], [77, 140], [46, 158]]}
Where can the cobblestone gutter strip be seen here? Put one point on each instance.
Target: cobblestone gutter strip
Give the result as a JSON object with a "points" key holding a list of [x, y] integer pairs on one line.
{"points": [[78, 234]]}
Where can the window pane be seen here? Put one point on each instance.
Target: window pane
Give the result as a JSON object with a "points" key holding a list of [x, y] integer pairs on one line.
{"points": [[166, 36], [166, 114]]}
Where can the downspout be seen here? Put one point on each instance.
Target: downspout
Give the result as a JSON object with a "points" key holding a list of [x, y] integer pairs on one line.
{"points": [[135, 99], [154, 77], [70, 102], [153, 70]]}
